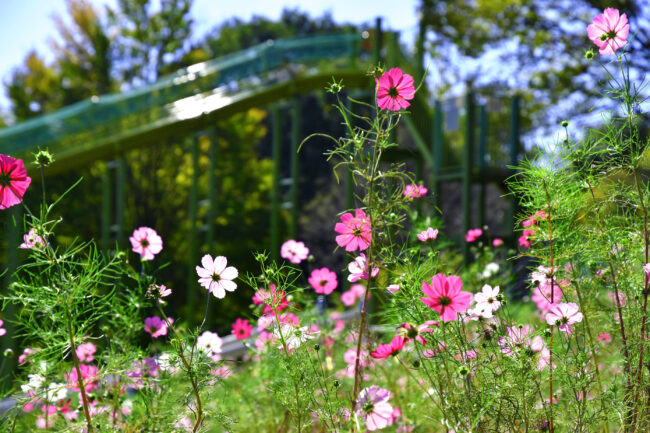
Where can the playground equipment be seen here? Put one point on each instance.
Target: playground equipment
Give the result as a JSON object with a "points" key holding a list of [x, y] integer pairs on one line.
{"points": [[192, 99]]}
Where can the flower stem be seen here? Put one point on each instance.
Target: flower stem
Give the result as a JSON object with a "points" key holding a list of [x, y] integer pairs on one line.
{"points": [[75, 360]]}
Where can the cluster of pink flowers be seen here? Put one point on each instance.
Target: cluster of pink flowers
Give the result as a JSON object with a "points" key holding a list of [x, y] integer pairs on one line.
{"points": [[428, 235], [32, 240], [349, 297], [473, 234], [294, 251], [274, 299], [415, 191], [530, 226]]}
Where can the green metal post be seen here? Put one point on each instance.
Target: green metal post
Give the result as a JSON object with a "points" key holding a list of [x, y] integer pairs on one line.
{"points": [[295, 141], [419, 48], [212, 188], [467, 170], [482, 149], [376, 52], [193, 238], [107, 205], [437, 153], [275, 191], [14, 224], [514, 155], [120, 198]]}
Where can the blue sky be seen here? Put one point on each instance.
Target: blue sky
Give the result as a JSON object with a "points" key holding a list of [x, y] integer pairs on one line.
{"points": [[28, 24]]}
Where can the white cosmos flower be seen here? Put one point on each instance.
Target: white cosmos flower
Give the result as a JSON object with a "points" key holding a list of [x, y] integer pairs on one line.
{"points": [[216, 277], [293, 337]]}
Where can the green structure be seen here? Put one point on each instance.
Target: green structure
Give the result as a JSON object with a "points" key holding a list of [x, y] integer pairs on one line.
{"points": [[190, 101]]}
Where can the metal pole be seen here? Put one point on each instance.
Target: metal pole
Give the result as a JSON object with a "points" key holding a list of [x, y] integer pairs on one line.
{"points": [[192, 213], [514, 155], [295, 178], [482, 149], [437, 153], [212, 188], [376, 52], [120, 198], [275, 191], [467, 170], [107, 205]]}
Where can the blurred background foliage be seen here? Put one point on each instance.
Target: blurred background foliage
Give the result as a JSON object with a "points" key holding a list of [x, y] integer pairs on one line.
{"points": [[533, 48]]}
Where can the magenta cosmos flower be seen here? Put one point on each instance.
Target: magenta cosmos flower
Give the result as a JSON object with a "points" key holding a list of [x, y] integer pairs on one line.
{"points": [[415, 191], [473, 234], [609, 31], [445, 295], [564, 315], [412, 332], [89, 377], [146, 242], [215, 276], [155, 326], [354, 231], [86, 352], [429, 234], [374, 408], [391, 349], [394, 89], [323, 281], [241, 329], [294, 251], [13, 181]]}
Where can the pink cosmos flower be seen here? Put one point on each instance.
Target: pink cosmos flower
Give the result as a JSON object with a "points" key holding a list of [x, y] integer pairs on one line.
{"points": [[374, 408], [354, 231], [89, 377], [359, 269], [146, 242], [518, 338], [412, 332], [348, 298], [156, 326], [542, 296], [564, 315], [216, 277], [32, 240], [428, 235], [241, 329], [445, 296], [86, 352], [25, 355], [497, 242], [294, 251], [620, 302], [3, 331], [274, 299], [604, 337], [223, 372], [264, 340], [13, 181], [394, 89], [323, 281], [473, 234], [415, 191], [609, 31], [391, 349], [393, 288], [646, 268]]}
